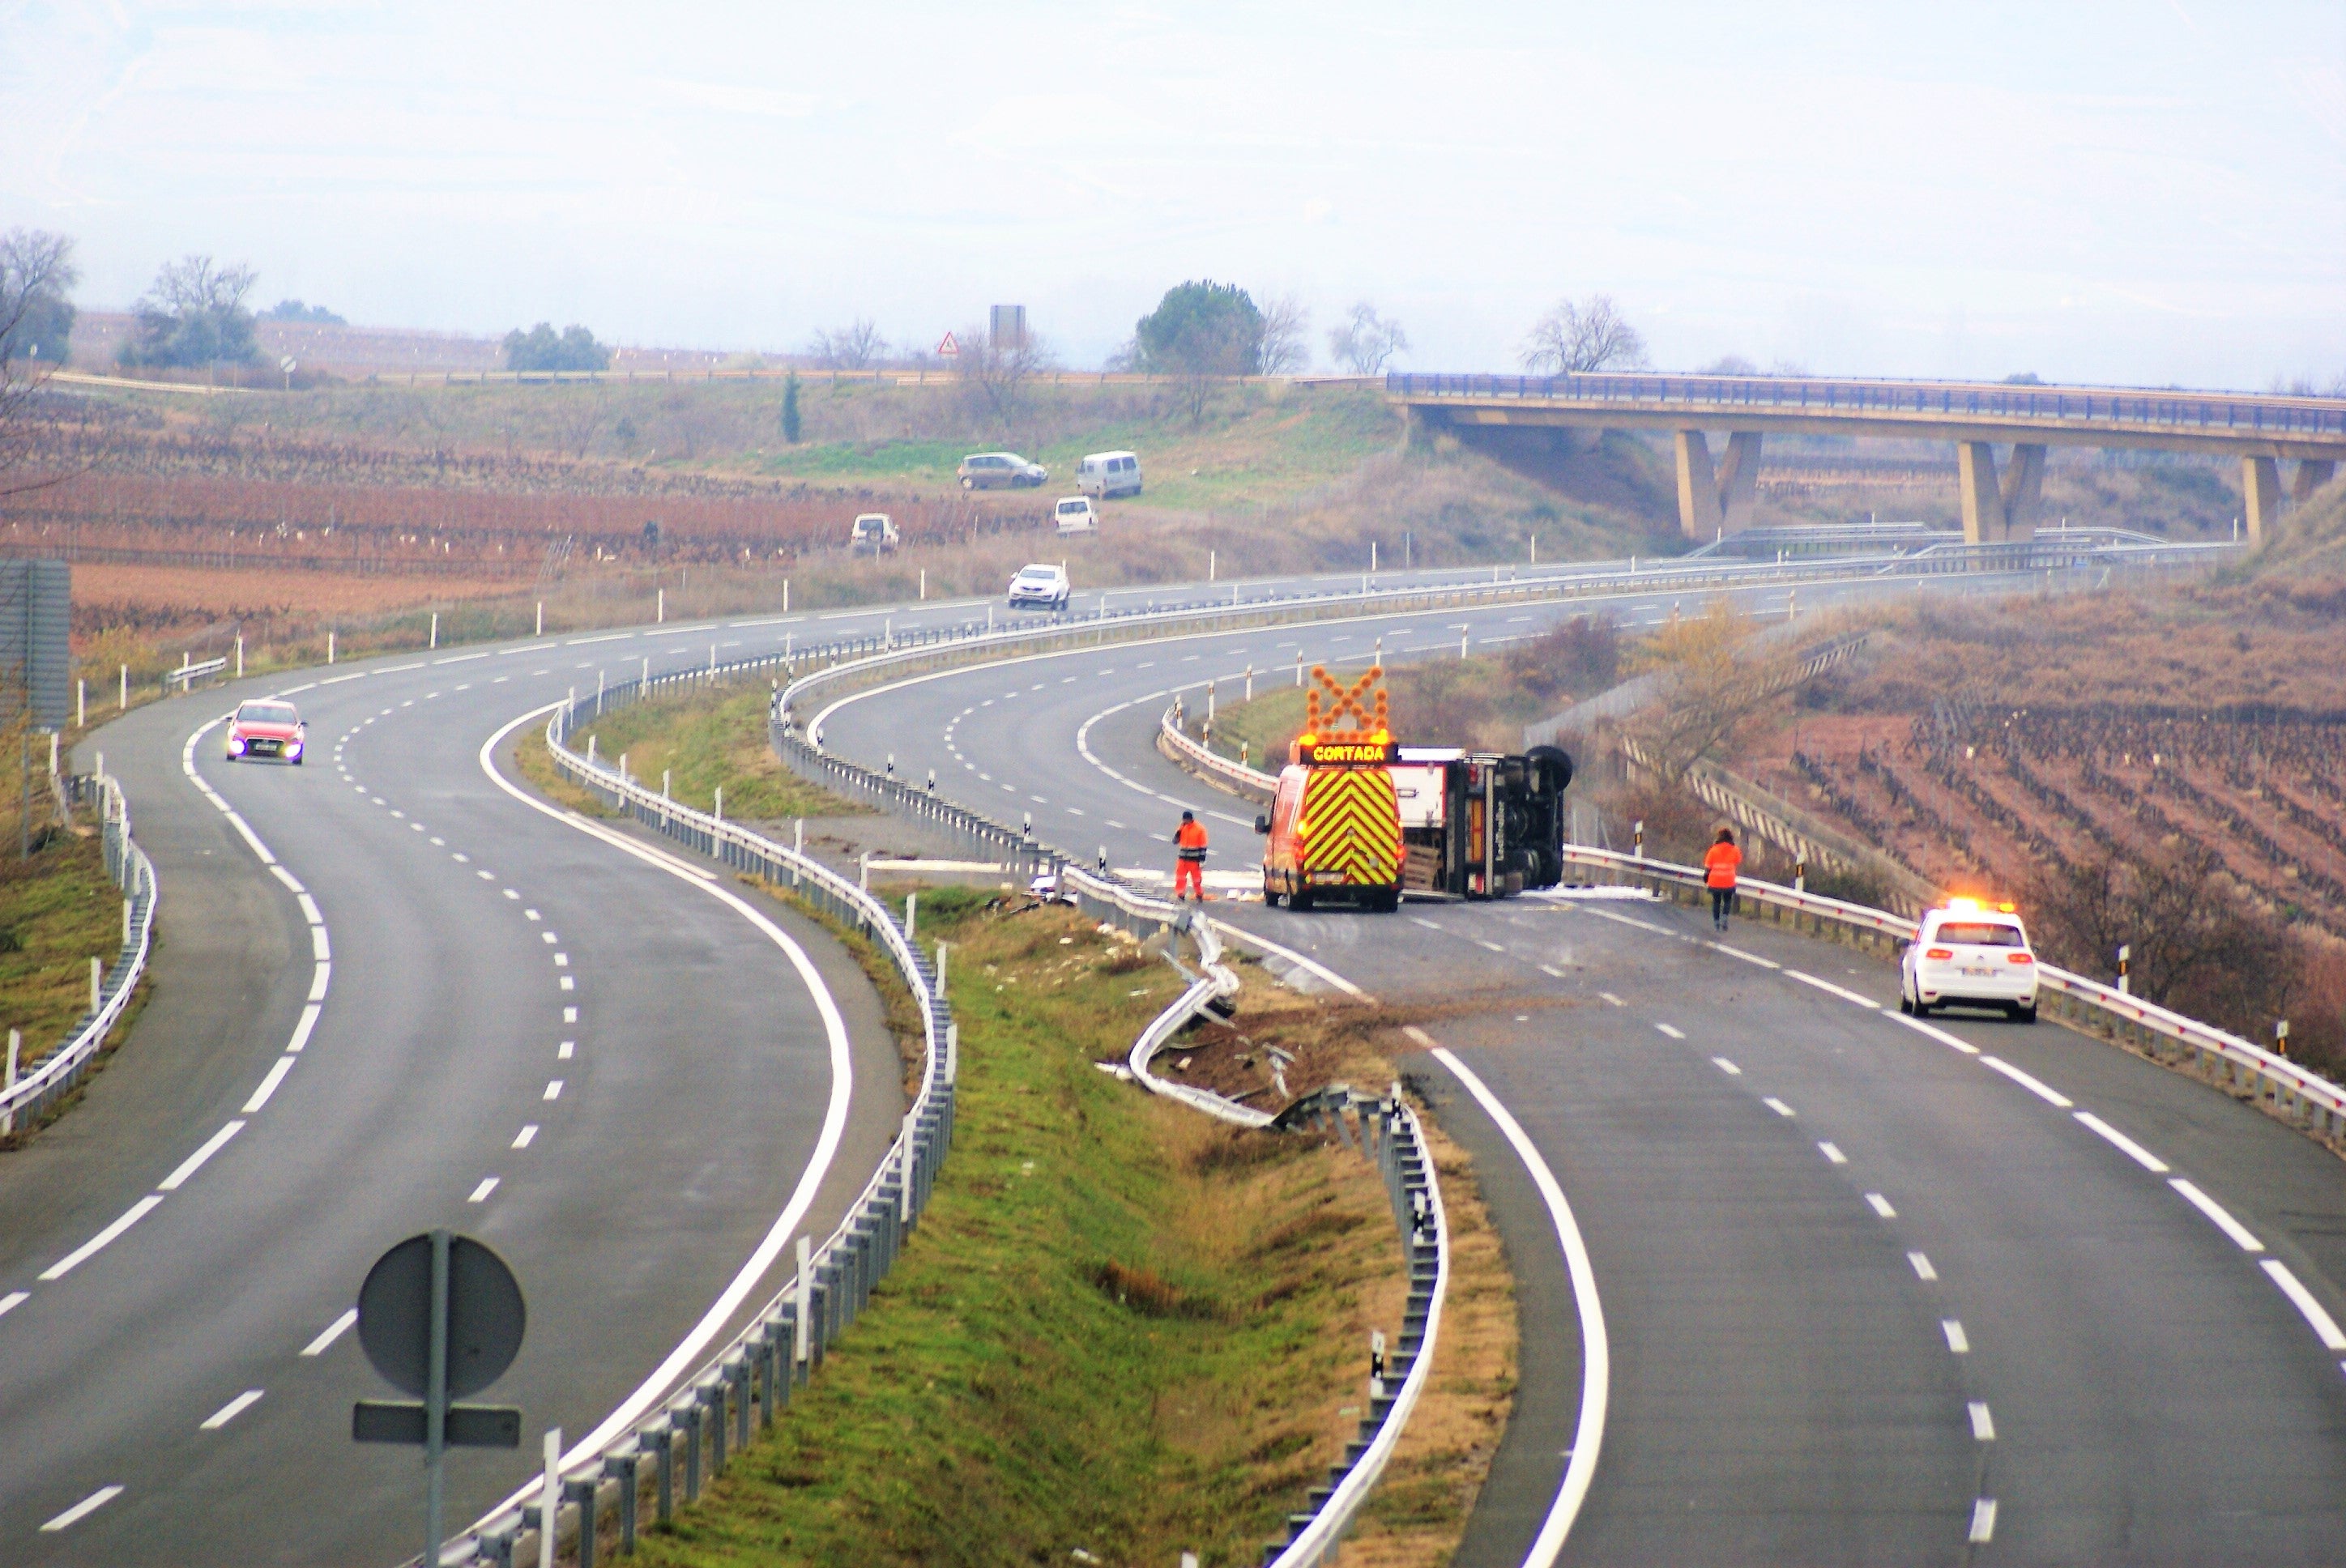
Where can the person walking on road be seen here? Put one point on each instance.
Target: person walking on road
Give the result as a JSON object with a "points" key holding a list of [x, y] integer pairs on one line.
{"points": [[1189, 858], [1718, 868]]}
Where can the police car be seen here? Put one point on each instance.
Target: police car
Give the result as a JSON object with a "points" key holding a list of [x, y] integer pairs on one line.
{"points": [[1969, 955]]}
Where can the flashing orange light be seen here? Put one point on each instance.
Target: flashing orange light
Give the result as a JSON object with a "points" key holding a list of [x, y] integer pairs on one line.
{"points": [[1307, 738], [1962, 906]]}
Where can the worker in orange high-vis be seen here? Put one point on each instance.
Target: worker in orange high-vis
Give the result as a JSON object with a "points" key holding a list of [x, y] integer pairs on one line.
{"points": [[1189, 857], [1720, 864]]}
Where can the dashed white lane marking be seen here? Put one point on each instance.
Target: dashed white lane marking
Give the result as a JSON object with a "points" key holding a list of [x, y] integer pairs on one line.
{"points": [[1551, 971], [1610, 997], [553, 1089], [566, 985], [1982, 1522], [1727, 1067], [562, 1052], [2132, 1150], [570, 1015], [562, 961], [14, 1299], [1827, 986], [1674, 1032], [333, 1331], [194, 1162], [481, 1192], [522, 1139], [1983, 1423], [1922, 1268], [274, 1077], [2325, 1327], [1746, 957], [230, 1411], [1958, 1340], [1880, 1206], [82, 1509], [2036, 1086], [1493, 946], [82, 1254], [2217, 1212], [1777, 1106], [1833, 1153]]}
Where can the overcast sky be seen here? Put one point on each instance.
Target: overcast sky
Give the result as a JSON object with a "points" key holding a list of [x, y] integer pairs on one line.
{"points": [[2151, 191]]}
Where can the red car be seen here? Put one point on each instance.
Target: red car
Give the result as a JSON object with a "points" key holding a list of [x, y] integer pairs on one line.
{"points": [[270, 729]]}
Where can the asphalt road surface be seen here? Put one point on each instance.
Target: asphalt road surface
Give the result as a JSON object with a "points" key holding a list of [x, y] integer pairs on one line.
{"points": [[1874, 1292]]}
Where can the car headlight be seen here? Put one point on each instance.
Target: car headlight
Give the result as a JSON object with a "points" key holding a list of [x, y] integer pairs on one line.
{"points": [[235, 745], [294, 749]]}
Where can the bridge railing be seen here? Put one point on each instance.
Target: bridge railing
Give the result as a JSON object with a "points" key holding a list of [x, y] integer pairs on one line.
{"points": [[2209, 414]]}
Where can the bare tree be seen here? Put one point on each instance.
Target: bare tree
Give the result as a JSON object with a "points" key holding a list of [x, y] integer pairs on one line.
{"points": [[1286, 325], [857, 346], [580, 420], [1712, 684], [1366, 342], [193, 314], [994, 376], [36, 270], [1591, 335], [2194, 944]]}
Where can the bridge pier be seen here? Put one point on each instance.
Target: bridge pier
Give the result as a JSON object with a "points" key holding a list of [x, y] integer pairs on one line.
{"points": [[2312, 475], [1712, 501], [2261, 493], [1993, 510]]}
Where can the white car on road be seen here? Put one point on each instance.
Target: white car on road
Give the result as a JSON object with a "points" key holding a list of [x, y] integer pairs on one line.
{"points": [[1969, 955], [1039, 587]]}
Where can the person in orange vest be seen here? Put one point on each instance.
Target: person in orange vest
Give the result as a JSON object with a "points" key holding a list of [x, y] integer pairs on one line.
{"points": [[1189, 857], [1718, 867]]}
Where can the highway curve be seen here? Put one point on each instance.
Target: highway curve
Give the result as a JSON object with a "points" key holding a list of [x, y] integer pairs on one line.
{"points": [[1872, 1292]]}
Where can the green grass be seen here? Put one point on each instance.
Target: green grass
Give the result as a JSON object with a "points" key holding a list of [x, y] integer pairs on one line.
{"points": [[57, 911], [1119, 1327], [706, 745]]}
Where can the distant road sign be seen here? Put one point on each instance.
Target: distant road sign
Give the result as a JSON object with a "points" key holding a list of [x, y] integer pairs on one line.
{"points": [[486, 1315], [950, 348], [36, 663], [286, 364]]}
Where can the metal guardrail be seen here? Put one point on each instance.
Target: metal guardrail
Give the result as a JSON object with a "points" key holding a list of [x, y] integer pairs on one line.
{"points": [[2305, 1099], [186, 674], [755, 1373], [126, 867], [1249, 783], [2223, 414]]}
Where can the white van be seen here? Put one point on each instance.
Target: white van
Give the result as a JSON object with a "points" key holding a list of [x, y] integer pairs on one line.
{"points": [[1108, 473], [1077, 516]]}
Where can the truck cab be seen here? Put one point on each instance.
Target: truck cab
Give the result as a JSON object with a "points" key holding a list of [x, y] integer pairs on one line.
{"points": [[1333, 830]]}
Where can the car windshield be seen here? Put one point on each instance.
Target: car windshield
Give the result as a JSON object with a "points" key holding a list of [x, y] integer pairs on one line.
{"points": [[1071, 506], [268, 713], [1981, 933]]}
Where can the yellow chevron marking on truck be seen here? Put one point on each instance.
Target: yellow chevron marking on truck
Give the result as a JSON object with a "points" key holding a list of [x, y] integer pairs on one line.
{"points": [[1351, 822]]}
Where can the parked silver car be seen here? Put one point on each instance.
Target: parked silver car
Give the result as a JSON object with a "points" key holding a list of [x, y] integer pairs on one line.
{"points": [[1000, 471]]}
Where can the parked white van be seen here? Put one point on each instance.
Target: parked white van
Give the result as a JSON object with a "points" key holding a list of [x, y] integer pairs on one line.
{"points": [[1077, 516], [1108, 473]]}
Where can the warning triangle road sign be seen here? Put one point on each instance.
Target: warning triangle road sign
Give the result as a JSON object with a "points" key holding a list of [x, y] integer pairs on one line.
{"points": [[950, 348]]}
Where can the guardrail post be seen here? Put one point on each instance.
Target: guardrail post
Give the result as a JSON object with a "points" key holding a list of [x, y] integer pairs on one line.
{"points": [[582, 1495], [686, 1413], [625, 1468]]}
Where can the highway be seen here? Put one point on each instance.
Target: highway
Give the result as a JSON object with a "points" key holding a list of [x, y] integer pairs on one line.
{"points": [[541, 1036], [1874, 1292]]}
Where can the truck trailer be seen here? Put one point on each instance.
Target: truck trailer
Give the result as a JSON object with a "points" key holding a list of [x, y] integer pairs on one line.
{"points": [[1480, 825]]}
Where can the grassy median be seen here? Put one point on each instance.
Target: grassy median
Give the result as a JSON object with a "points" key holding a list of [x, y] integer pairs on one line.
{"points": [[706, 740], [57, 911]]}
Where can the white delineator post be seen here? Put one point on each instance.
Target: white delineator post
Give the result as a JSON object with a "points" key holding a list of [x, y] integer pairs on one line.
{"points": [[801, 1347], [549, 1500], [541, 619], [8, 1118]]}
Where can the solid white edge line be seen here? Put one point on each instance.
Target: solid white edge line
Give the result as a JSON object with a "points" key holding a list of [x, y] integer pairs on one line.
{"points": [[230, 1411], [2036, 1086], [292, 884], [2221, 1216], [834, 1122], [79, 1255], [1941, 1035], [318, 979], [2325, 1327], [268, 1082], [194, 1162], [333, 1331], [82, 1509], [1246, 938], [2126, 1146], [1597, 1359], [1827, 985]]}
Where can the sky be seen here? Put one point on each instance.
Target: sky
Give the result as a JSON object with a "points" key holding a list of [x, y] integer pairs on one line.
{"points": [[2149, 192]]}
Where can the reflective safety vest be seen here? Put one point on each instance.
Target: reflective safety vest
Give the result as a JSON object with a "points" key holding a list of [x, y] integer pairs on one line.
{"points": [[1720, 865], [1190, 843]]}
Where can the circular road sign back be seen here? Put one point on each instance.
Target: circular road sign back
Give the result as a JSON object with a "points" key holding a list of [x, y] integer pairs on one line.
{"points": [[486, 1315]]}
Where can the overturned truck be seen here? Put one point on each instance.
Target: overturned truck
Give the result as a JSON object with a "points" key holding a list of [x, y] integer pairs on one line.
{"points": [[1479, 824]]}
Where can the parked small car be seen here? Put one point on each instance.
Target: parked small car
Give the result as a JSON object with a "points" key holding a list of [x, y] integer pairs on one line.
{"points": [[1108, 475], [874, 534], [1077, 515], [1000, 471]]}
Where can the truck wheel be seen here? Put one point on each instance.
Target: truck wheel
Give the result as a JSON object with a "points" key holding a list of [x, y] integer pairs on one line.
{"points": [[1269, 895], [1300, 899]]}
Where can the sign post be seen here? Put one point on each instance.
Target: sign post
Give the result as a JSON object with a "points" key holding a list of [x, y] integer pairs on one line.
{"points": [[439, 1316]]}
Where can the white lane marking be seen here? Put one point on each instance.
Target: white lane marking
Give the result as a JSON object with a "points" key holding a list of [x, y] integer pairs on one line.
{"points": [[82, 1254], [1309, 965], [2036, 1086], [1595, 1356], [1958, 1340], [308, 1021], [531, 915], [333, 1331], [1746, 957], [1833, 1153], [319, 947], [318, 978], [1727, 1067], [82, 1509], [1941, 1035], [481, 1192], [252, 838], [1671, 1030], [2217, 1212], [2325, 1327], [194, 1162], [1777, 1106], [769, 1247], [1982, 1522], [1615, 1001], [461, 859], [566, 985], [1828, 987], [562, 1052], [230, 1411], [553, 1089], [562, 961], [1493, 946], [460, 658], [309, 909], [1880, 1206], [1922, 1262], [292, 882], [439, 843], [1619, 918], [1552, 972], [1983, 1423], [522, 1139], [2132, 1150], [511, 894], [274, 1077], [14, 1299]]}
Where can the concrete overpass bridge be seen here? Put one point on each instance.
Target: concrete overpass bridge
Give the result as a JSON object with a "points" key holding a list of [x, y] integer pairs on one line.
{"points": [[1716, 497]]}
